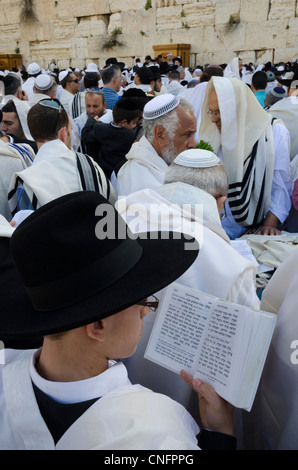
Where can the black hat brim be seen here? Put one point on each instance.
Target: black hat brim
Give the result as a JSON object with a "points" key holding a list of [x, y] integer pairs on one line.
{"points": [[162, 262]]}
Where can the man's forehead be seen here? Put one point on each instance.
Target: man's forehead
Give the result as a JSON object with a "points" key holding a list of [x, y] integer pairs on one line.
{"points": [[94, 98], [213, 99], [12, 116]]}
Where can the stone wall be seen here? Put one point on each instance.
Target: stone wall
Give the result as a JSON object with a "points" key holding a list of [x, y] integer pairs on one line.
{"points": [[75, 32]]}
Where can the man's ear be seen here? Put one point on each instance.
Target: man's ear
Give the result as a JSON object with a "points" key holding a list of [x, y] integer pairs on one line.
{"points": [[96, 330], [160, 136], [221, 203], [62, 134]]}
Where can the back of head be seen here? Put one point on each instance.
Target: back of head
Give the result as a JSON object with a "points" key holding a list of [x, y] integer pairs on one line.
{"points": [[145, 75], [274, 95], [91, 79], [199, 168], [45, 119], [259, 80], [211, 71], [45, 84], [109, 72], [127, 108], [11, 84]]}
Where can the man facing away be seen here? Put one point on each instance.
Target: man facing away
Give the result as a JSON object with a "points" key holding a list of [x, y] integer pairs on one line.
{"points": [[89, 291], [169, 128], [57, 169]]}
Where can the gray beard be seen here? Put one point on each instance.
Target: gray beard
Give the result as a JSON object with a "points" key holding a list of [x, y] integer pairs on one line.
{"points": [[169, 154]]}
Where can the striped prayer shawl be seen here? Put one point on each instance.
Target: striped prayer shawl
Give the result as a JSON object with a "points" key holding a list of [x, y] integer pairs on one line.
{"points": [[91, 176], [76, 109], [246, 197]]}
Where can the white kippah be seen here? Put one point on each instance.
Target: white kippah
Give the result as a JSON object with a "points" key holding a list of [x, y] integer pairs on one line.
{"points": [[33, 68], [92, 68], [160, 105], [62, 75], [43, 82], [197, 158]]}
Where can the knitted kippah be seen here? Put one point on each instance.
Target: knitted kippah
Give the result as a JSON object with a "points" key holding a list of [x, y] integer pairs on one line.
{"points": [[278, 91], [160, 105], [197, 158]]}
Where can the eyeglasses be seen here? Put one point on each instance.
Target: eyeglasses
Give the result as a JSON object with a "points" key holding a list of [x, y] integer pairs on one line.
{"points": [[52, 104], [215, 113], [76, 80], [151, 302]]}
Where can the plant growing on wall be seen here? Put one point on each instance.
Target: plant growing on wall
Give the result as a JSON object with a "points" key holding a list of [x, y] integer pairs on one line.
{"points": [[27, 12], [112, 40], [233, 22]]}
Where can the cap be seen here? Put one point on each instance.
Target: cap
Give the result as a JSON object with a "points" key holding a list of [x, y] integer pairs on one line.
{"points": [[160, 105], [33, 68], [62, 75], [43, 82], [92, 68], [197, 158], [278, 92]]}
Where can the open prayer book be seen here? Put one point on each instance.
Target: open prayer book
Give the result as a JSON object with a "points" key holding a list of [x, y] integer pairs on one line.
{"points": [[222, 343]]}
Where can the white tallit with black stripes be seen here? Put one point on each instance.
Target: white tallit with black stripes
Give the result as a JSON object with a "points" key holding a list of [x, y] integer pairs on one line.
{"points": [[56, 171], [247, 144]]}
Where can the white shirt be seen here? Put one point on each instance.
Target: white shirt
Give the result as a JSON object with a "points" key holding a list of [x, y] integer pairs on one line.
{"points": [[126, 417]]}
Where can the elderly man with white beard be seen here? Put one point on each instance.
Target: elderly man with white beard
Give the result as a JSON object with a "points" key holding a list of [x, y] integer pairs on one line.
{"points": [[169, 128]]}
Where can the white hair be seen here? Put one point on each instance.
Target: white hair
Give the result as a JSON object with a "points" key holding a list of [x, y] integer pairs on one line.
{"points": [[169, 122], [213, 180]]}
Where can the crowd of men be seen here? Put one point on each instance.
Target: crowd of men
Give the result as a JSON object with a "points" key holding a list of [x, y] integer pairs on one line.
{"points": [[78, 144]]}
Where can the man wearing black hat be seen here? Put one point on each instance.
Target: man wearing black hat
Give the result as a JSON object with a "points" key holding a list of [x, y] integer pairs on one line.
{"points": [[89, 284]]}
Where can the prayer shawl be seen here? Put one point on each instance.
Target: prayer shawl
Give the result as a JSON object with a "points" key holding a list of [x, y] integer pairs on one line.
{"points": [[218, 270], [232, 69], [144, 169], [272, 422], [286, 109], [76, 105], [196, 99], [247, 144], [126, 417], [13, 158], [56, 171]]}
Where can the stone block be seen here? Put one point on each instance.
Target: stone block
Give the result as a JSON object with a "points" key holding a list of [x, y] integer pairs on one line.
{"points": [[282, 9], [115, 22], [169, 18], [292, 33], [254, 10], [136, 21], [121, 5], [200, 14], [224, 10], [266, 34], [89, 26], [77, 8]]}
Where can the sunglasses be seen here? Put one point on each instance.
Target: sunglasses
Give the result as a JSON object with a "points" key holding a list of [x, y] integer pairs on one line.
{"points": [[76, 80], [151, 302]]}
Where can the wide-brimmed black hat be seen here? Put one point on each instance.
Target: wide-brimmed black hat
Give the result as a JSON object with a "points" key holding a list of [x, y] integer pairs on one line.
{"points": [[80, 263], [288, 81]]}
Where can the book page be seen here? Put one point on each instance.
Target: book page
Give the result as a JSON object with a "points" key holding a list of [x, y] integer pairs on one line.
{"points": [[208, 337], [178, 329]]}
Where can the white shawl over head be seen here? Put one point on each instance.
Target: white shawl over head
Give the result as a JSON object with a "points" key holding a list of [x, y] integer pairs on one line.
{"points": [[243, 123]]}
